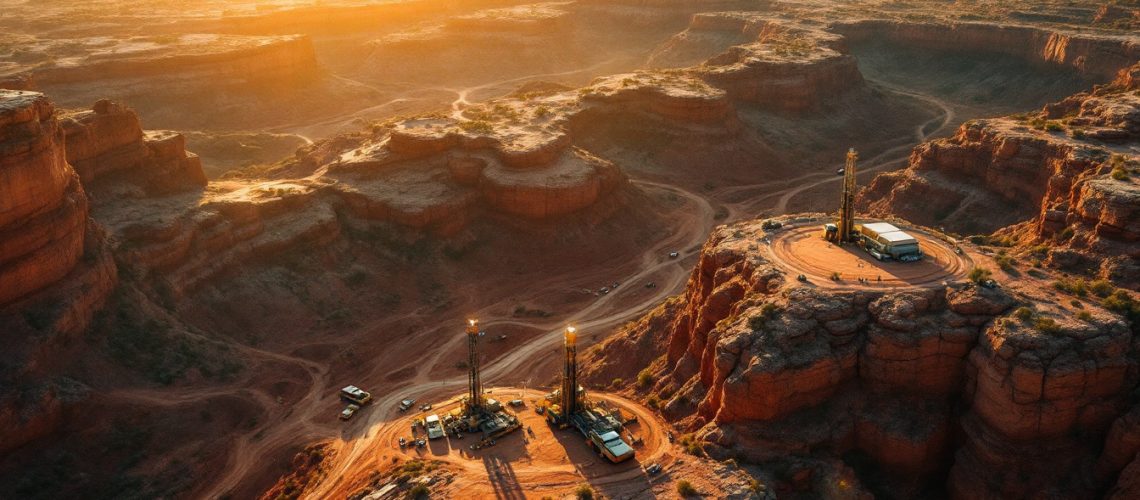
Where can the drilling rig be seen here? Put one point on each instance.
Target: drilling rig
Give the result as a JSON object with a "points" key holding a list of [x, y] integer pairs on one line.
{"points": [[843, 231], [478, 413], [474, 403], [570, 372], [569, 406]]}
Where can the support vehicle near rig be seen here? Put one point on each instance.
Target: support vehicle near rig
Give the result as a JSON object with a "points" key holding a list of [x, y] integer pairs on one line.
{"points": [[356, 395], [569, 406], [434, 427], [883, 241]]}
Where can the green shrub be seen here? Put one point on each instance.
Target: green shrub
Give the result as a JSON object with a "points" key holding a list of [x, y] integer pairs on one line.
{"points": [[1023, 313], [1078, 286], [1119, 173], [1054, 127], [1121, 302], [979, 274], [1004, 261], [617, 382], [1077, 133], [767, 312], [1065, 234], [419, 491], [1046, 325], [1102, 288], [584, 492], [685, 488], [644, 377], [1085, 316], [652, 402]]}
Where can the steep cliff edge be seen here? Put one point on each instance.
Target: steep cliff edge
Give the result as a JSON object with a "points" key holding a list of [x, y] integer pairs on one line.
{"points": [[109, 139], [794, 376], [1068, 170], [1097, 55], [55, 268], [43, 210]]}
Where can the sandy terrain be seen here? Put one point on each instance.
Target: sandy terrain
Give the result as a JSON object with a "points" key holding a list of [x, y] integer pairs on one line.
{"points": [[802, 250]]}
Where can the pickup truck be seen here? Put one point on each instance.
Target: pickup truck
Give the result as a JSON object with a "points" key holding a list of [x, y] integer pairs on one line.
{"points": [[348, 412]]}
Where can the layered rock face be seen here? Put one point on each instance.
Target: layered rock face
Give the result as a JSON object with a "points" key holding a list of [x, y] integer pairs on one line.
{"points": [[108, 139], [1099, 56], [55, 270], [1054, 168], [768, 370], [43, 210]]}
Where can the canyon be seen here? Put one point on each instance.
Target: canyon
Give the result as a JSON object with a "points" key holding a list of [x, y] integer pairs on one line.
{"points": [[320, 206]]}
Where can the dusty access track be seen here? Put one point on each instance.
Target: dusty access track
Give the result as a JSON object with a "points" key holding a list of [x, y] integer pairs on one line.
{"points": [[800, 249]]}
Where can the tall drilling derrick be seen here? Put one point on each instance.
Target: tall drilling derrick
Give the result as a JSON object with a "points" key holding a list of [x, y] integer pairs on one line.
{"points": [[474, 386], [847, 207], [570, 375]]}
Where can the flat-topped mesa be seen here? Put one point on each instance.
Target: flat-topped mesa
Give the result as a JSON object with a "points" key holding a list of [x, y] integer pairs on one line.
{"points": [[777, 64], [1095, 55], [109, 139], [207, 57], [43, 210], [515, 155]]}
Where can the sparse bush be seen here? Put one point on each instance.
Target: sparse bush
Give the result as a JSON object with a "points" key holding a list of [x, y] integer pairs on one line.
{"points": [[1078, 287], [1046, 325], [1023, 313], [1085, 316], [1054, 127], [1102, 288], [477, 126], [644, 377], [1005, 261], [652, 402], [980, 274], [418, 491], [685, 488], [1065, 234], [584, 492], [541, 112], [1119, 173], [1076, 133], [768, 311], [1121, 302]]}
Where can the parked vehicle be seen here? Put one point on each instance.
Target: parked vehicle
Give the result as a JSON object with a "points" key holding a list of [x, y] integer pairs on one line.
{"points": [[356, 395], [434, 428], [348, 412], [407, 403]]}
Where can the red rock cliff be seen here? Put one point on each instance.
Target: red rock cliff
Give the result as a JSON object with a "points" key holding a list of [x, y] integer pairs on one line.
{"points": [[765, 369]]}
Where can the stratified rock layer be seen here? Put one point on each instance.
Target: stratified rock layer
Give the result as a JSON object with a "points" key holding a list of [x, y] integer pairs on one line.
{"points": [[1064, 170], [43, 211], [774, 371]]}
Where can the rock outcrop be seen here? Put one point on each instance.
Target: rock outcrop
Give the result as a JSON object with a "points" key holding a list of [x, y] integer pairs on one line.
{"points": [[772, 371], [109, 139], [55, 270], [43, 210], [1099, 56], [1063, 170]]}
